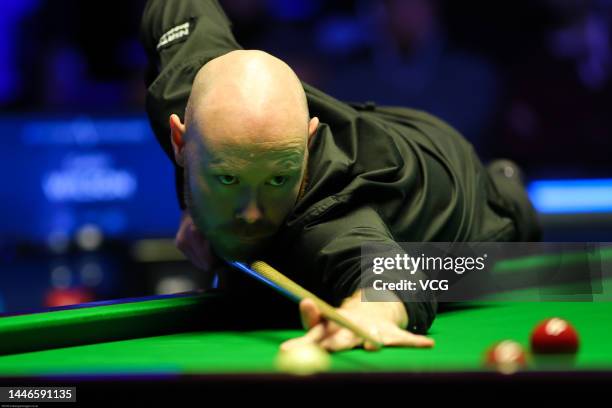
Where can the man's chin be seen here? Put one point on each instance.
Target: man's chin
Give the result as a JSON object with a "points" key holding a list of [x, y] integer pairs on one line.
{"points": [[243, 251]]}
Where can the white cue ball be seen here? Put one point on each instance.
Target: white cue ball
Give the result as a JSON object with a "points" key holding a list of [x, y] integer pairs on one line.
{"points": [[303, 360]]}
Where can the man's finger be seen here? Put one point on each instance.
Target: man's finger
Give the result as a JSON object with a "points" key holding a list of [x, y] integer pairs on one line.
{"points": [[379, 337], [309, 313], [401, 337], [314, 335], [342, 339]]}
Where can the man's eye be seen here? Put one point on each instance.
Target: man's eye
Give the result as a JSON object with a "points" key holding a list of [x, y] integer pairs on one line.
{"points": [[278, 181], [227, 180]]}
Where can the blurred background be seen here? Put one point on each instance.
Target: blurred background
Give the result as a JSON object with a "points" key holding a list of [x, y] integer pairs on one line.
{"points": [[87, 204]]}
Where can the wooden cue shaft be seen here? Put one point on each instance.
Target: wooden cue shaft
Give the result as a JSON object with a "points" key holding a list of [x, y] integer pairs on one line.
{"points": [[326, 310]]}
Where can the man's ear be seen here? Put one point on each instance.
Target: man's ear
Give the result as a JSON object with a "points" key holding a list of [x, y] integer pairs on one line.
{"points": [[312, 128], [177, 137]]}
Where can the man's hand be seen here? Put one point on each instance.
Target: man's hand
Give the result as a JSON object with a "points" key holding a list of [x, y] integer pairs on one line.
{"points": [[190, 241], [384, 320]]}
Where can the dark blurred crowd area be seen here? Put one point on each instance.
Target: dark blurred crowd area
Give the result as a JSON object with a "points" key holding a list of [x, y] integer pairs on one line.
{"points": [[526, 79]]}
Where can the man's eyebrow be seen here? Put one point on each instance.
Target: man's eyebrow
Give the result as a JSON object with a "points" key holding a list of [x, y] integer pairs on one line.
{"points": [[228, 163], [292, 163]]}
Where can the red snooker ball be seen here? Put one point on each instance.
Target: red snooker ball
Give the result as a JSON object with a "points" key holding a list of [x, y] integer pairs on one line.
{"points": [[554, 336], [506, 356], [66, 297]]}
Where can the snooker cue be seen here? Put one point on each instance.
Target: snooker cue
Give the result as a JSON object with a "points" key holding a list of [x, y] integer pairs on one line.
{"points": [[297, 293]]}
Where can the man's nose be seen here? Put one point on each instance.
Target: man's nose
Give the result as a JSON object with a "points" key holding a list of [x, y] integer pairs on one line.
{"points": [[250, 212]]}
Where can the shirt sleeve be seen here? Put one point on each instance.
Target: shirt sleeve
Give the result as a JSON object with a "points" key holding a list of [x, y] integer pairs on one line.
{"points": [[331, 252], [179, 37]]}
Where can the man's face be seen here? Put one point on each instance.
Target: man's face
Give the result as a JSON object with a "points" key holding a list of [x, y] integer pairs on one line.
{"points": [[239, 196]]}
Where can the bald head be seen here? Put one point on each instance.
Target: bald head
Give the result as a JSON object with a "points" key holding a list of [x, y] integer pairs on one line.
{"points": [[244, 148], [248, 99]]}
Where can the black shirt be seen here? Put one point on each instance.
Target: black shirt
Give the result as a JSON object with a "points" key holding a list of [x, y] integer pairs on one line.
{"points": [[376, 174]]}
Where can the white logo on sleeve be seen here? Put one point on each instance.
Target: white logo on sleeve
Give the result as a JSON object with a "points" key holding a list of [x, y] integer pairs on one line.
{"points": [[174, 34]]}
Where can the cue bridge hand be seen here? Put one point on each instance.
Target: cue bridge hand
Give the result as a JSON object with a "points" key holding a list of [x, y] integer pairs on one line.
{"points": [[371, 316]]}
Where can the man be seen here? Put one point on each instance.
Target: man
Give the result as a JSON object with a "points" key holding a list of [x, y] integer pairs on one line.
{"points": [[271, 168]]}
